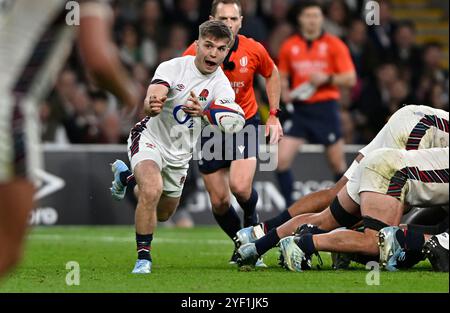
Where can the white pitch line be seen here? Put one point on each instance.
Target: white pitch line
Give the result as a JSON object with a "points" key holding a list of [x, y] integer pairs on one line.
{"points": [[125, 240]]}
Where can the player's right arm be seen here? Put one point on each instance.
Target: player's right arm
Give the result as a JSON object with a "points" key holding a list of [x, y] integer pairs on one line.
{"points": [[100, 54], [154, 101]]}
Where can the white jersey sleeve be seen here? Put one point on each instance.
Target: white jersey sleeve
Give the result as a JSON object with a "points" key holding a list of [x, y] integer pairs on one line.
{"points": [[166, 74]]}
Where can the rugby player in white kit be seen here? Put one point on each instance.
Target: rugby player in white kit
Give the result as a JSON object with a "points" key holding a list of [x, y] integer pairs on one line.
{"points": [[386, 184], [161, 145]]}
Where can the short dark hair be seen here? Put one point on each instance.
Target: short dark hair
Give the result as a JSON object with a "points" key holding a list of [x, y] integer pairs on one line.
{"points": [[215, 29], [217, 2], [308, 4]]}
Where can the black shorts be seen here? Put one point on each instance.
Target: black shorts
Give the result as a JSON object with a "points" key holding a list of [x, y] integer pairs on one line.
{"points": [[318, 123], [242, 145]]}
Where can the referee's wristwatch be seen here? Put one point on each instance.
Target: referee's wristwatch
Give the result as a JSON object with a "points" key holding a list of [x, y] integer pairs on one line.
{"points": [[275, 112]]}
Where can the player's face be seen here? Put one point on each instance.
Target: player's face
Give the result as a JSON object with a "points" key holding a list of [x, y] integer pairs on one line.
{"points": [[311, 20], [229, 14], [210, 54]]}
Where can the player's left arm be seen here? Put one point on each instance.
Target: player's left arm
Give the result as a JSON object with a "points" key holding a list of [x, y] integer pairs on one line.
{"points": [[269, 71]]}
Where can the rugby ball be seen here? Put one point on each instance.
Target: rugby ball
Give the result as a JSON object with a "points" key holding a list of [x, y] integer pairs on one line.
{"points": [[228, 116]]}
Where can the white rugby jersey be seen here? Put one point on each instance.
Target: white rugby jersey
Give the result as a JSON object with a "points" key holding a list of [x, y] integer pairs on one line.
{"points": [[175, 131], [413, 127]]}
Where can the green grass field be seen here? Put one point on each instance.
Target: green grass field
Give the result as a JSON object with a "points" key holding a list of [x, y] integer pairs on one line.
{"points": [[194, 260]]}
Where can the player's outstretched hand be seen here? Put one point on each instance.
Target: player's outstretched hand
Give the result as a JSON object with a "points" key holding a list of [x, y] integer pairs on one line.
{"points": [[274, 129], [153, 105], [193, 106]]}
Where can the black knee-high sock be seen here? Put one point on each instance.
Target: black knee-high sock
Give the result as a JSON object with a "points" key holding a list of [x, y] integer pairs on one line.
{"points": [[286, 182], [229, 222], [249, 207], [143, 244], [127, 179], [267, 242], [276, 221]]}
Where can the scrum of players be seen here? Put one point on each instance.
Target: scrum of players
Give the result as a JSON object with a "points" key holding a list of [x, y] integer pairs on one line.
{"points": [[405, 166]]}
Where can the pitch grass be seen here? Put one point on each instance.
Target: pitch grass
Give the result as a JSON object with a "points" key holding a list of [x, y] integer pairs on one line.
{"points": [[194, 260]]}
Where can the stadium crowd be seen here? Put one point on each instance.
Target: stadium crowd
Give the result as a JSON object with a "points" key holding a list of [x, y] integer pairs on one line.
{"points": [[392, 69]]}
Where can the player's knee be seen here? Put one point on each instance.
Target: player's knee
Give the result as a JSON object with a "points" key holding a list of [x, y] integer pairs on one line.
{"points": [[241, 190], [149, 193], [220, 203]]}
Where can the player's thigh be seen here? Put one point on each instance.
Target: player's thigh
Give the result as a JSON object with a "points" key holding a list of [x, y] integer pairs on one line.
{"points": [[382, 189], [288, 148], [242, 173], [217, 185], [381, 207]]}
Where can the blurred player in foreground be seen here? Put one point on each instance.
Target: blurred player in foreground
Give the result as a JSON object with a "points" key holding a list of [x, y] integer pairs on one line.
{"points": [[34, 43], [161, 145]]}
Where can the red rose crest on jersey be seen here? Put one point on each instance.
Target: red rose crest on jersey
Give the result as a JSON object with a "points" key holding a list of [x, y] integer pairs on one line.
{"points": [[203, 95]]}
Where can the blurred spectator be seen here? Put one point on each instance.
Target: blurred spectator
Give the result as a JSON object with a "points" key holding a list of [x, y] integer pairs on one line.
{"points": [[276, 12], [253, 26], [279, 34], [337, 19], [177, 42], [405, 53], [373, 106], [153, 30], [431, 73], [80, 123], [437, 97], [187, 12], [399, 94], [109, 128], [129, 47], [382, 35], [361, 49]]}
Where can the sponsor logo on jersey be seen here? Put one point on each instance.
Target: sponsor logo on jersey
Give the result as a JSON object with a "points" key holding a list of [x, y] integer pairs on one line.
{"points": [[150, 145], [180, 87]]}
